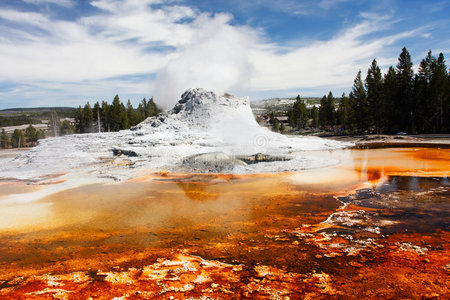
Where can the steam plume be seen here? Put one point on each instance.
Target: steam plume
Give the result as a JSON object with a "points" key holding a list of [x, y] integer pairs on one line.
{"points": [[216, 59]]}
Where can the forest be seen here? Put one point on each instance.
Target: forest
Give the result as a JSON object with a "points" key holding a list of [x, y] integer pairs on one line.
{"points": [[100, 118], [397, 101], [113, 117]]}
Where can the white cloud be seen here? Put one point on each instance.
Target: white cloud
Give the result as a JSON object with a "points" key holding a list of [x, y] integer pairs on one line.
{"points": [[333, 63], [66, 3], [328, 4], [90, 48], [75, 59]]}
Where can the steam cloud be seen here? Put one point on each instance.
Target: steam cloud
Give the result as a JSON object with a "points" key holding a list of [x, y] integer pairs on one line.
{"points": [[216, 58]]}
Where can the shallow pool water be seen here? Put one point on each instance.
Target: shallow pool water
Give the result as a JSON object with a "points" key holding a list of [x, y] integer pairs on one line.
{"points": [[292, 222]]}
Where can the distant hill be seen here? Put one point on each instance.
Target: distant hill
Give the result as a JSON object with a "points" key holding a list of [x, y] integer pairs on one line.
{"points": [[279, 105], [34, 115], [36, 111]]}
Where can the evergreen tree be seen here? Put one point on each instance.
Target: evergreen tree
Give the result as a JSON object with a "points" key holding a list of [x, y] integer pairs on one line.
{"points": [[41, 134], [298, 115], [79, 120], [343, 113], [132, 116], [358, 100], [88, 118], [140, 113], [439, 85], [374, 86], [144, 106], [104, 117], [115, 114], [331, 109], [4, 140], [327, 111], [17, 139], [124, 122], [390, 98], [403, 109], [152, 109], [274, 122], [66, 128], [315, 116], [96, 111], [423, 96], [31, 134], [322, 115], [282, 128], [447, 106]]}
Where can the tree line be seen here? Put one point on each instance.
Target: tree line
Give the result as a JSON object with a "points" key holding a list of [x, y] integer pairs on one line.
{"points": [[30, 136], [397, 101], [20, 138], [113, 117], [104, 117]]}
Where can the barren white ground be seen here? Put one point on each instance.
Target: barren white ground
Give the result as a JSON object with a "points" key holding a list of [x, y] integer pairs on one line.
{"points": [[201, 122]]}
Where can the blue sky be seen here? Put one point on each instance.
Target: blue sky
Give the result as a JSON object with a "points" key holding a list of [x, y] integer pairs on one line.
{"points": [[67, 52]]}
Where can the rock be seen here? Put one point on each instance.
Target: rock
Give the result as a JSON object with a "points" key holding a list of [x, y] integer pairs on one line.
{"points": [[211, 162], [119, 152], [259, 157]]}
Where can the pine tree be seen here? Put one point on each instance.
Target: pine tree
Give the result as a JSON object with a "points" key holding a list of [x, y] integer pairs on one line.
{"points": [[88, 118], [343, 113], [140, 114], [404, 109], [124, 122], [66, 128], [358, 100], [327, 111], [315, 116], [374, 86], [298, 115], [152, 109], [390, 97], [132, 116], [274, 122], [447, 106], [104, 116], [41, 134], [31, 134], [282, 128], [423, 96], [96, 111], [144, 106], [438, 85], [322, 115], [331, 109], [114, 114], [79, 120], [4, 140], [18, 139]]}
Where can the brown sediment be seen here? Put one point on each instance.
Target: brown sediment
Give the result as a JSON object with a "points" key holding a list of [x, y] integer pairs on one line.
{"points": [[42, 180], [377, 141], [8, 188], [232, 236], [393, 144]]}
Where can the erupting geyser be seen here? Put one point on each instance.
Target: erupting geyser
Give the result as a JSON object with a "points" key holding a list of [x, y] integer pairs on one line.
{"points": [[204, 132]]}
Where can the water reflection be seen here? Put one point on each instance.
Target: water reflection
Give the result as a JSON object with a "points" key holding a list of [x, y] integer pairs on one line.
{"points": [[168, 211]]}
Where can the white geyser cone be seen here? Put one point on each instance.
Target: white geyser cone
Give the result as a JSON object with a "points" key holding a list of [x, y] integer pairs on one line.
{"points": [[202, 126]]}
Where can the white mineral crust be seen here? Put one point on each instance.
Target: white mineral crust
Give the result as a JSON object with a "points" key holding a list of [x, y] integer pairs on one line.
{"points": [[201, 122]]}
